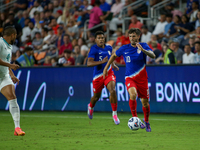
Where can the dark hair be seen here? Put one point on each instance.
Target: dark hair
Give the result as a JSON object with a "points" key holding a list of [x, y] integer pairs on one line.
{"points": [[169, 15], [67, 51], [187, 19], [97, 2], [77, 45], [28, 48], [197, 43], [197, 3], [179, 18], [9, 30], [134, 30], [67, 35], [187, 45], [45, 29], [98, 33]]}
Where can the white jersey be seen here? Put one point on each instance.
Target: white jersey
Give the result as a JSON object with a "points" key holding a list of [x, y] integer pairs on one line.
{"points": [[5, 55]]}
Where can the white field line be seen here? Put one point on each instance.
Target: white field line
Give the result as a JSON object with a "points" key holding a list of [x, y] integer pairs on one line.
{"points": [[72, 117]]}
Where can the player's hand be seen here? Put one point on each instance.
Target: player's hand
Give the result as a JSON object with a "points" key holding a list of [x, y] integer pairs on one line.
{"points": [[14, 66], [105, 59], [105, 73], [115, 67], [15, 79], [139, 46]]}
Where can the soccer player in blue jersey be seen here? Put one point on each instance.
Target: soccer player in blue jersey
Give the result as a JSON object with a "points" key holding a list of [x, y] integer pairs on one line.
{"points": [[98, 57], [136, 78]]}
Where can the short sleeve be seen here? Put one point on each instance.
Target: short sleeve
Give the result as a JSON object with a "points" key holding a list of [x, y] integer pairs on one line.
{"points": [[146, 47], [120, 51], [92, 52], [100, 13], [79, 18]]}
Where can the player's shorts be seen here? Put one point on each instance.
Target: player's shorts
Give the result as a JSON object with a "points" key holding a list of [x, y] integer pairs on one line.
{"points": [[142, 88], [140, 82], [98, 83], [5, 81]]}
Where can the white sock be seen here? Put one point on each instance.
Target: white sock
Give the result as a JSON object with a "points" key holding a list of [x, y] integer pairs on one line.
{"points": [[15, 112], [114, 113]]}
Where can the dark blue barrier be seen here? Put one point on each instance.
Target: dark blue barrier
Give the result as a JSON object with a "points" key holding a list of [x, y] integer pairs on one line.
{"points": [[173, 89]]}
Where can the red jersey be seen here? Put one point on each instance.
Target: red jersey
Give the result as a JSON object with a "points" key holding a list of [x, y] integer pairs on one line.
{"points": [[64, 47]]}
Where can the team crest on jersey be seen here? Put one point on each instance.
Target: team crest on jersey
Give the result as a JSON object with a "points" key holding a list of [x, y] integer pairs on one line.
{"points": [[109, 52], [138, 51]]}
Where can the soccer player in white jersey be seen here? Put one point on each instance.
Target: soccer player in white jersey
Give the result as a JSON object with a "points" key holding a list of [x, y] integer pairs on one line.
{"points": [[7, 77]]}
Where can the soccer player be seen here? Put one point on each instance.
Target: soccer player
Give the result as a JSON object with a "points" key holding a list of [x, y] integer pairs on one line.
{"points": [[98, 57], [7, 77], [136, 76]]}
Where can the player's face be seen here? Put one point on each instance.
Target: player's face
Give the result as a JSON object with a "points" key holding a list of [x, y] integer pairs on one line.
{"points": [[13, 37], [134, 38], [100, 40]]}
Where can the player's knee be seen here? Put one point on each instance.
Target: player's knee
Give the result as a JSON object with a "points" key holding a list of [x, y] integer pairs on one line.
{"points": [[112, 92], [96, 98], [10, 97], [133, 96], [145, 104]]}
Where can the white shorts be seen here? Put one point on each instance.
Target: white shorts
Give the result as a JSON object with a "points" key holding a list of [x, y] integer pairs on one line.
{"points": [[5, 81]]}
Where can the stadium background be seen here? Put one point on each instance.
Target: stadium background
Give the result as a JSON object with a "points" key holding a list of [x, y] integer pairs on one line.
{"points": [[173, 88]]}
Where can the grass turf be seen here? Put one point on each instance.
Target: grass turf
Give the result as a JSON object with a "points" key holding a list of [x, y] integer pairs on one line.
{"points": [[74, 131]]}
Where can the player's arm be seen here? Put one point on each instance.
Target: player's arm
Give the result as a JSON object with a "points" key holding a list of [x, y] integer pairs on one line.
{"points": [[110, 61], [13, 77], [148, 53], [114, 66], [12, 66], [91, 62]]}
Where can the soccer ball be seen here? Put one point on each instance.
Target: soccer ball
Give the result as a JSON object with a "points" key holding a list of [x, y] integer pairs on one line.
{"points": [[134, 123]]}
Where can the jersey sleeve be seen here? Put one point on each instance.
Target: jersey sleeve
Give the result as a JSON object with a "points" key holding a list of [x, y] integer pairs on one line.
{"points": [[120, 51], [146, 47], [92, 52]]}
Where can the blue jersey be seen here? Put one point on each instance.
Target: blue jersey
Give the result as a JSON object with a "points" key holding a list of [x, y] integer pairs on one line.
{"points": [[134, 58], [99, 54]]}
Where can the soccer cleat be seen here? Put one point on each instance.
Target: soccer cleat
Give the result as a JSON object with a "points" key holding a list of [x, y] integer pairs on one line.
{"points": [[142, 126], [116, 119], [19, 132], [90, 112], [148, 128]]}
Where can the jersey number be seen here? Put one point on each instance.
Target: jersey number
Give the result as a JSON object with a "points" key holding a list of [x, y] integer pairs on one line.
{"points": [[128, 59], [100, 58], [8, 57]]}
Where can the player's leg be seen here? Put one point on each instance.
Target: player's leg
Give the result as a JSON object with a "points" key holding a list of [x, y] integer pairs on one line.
{"points": [[132, 101], [9, 92], [143, 93], [113, 100], [146, 110], [97, 88], [92, 103], [132, 90]]}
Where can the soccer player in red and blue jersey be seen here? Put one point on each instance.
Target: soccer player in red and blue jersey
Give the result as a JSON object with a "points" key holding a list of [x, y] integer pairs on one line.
{"points": [[136, 79], [98, 57]]}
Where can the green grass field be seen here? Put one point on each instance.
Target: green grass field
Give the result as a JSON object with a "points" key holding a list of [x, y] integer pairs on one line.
{"points": [[74, 131]]}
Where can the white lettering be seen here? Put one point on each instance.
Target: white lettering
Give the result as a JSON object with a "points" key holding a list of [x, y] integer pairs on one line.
{"points": [[91, 89], [120, 91], [169, 98], [159, 92], [178, 92], [195, 89], [187, 92]]}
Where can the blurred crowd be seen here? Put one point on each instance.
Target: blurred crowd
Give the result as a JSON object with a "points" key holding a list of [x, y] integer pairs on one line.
{"points": [[50, 32]]}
